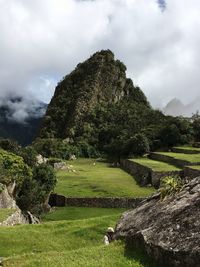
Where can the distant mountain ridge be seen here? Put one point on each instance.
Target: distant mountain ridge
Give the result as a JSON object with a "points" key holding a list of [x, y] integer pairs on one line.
{"points": [[176, 108], [20, 118]]}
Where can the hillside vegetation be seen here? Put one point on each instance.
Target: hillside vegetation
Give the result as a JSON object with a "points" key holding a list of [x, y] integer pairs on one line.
{"points": [[97, 110]]}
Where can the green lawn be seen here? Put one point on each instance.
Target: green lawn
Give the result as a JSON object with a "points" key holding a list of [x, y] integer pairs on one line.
{"points": [[195, 167], [98, 180], [75, 213], [5, 213], [156, 166], [67, 243], [193, 158], [188, 148]]}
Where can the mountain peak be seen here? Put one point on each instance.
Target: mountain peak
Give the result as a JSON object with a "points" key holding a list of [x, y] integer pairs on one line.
{"points": [[100, 80]]}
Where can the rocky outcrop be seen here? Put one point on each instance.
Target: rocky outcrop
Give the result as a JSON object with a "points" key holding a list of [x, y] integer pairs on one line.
{"points": [[6, 196], [19, 217], [168, 230], [7, 201]]}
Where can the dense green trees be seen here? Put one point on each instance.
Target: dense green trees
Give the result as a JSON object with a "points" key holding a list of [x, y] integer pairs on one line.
{"points": [[33, 182], [36, 188], [13, 169], [196, 126]]}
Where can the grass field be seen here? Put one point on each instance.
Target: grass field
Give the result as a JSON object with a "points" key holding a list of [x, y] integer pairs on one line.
{"points": [[99, 180], [68, 243], [156, 166], [5, 213], [195, 167], [193, 158], [75, 213], [188, 148]]}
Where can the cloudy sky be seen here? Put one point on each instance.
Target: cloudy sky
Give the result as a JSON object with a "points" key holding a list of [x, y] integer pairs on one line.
{"points": [[159, 41]]}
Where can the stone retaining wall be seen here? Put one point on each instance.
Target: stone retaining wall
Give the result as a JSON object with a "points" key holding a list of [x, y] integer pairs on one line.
{"points": [[145, 175], [98, 202], [191, 173], [141, 173]]}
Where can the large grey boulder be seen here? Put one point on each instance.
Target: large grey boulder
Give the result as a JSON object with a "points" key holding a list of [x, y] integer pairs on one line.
{"points": [[7, 201], [6, 196], [168, 230]]}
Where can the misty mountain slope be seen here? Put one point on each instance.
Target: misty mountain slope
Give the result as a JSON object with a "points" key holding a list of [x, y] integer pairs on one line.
{"points": [[20, 118], [176, 108]]}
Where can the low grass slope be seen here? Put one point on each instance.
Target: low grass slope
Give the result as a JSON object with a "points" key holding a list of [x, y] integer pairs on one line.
{"points": [[192, 158], [73, 243], [97, 179], [189, 148], [157, 166], [79, 213]]}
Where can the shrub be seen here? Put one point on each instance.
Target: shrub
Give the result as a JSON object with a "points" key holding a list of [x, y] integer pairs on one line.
{"points": [[170, 185], [10, 145], [13, 168], [35, 190], [29, 155]]}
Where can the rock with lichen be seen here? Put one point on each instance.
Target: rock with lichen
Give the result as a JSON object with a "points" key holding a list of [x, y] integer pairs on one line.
{"points": [[168, 230]]}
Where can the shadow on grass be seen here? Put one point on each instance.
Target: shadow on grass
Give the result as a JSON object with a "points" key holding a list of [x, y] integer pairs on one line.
{"points": [[140, 255]]}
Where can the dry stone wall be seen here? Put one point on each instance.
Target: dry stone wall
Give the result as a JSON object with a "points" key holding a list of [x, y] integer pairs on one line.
{"points": [[145, 175], [98, 202]]}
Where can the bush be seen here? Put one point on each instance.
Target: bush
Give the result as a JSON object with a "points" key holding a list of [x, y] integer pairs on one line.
{"points": [[45, 176], [170, 185], [29, 155], [10, 145], [13, 168], [35, 190]]}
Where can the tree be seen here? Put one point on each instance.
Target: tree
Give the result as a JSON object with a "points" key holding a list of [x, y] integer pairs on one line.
{"points": [[170, 135], [29, 155], [35, 190], [13, 169], [196, 126], [10, 145], [138, 145]]}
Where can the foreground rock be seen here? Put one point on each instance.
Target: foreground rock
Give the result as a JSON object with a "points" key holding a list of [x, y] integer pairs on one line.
{"points": [[7, 201], [168, 230], [19, 217], [6, 196]]}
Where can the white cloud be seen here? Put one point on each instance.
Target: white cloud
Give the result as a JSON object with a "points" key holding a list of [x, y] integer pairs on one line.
{"points": [[41, 41]]}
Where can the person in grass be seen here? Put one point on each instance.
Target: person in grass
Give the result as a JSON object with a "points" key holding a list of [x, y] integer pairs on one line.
{"points": [[108, 237]]}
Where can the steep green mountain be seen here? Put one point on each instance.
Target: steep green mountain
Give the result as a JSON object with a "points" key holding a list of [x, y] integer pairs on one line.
{"points": [[96, 108], [99, 81]]}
